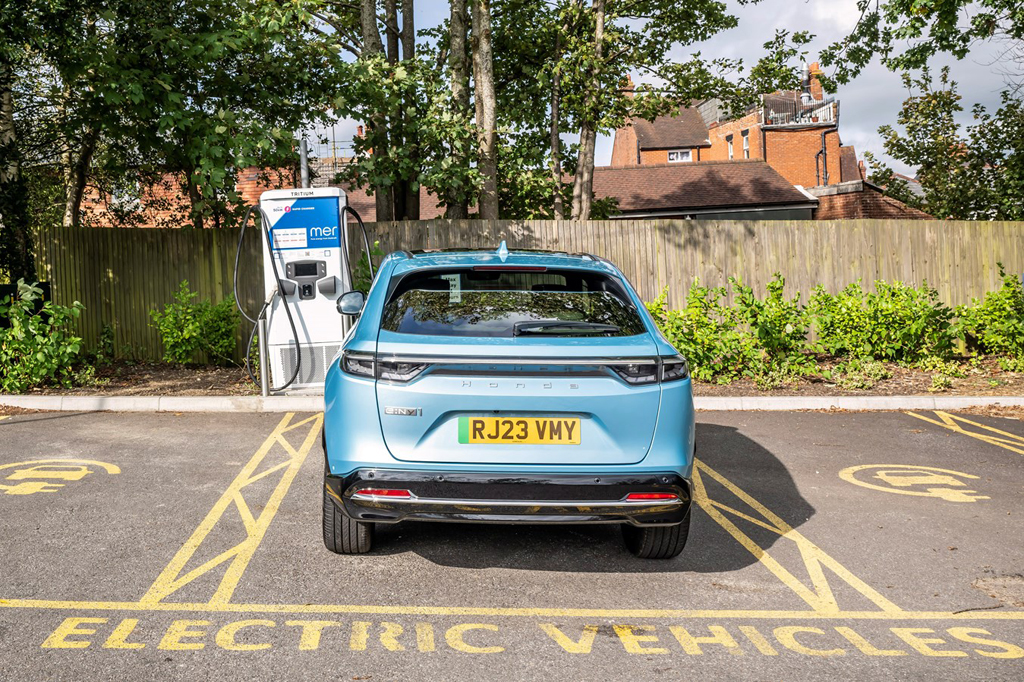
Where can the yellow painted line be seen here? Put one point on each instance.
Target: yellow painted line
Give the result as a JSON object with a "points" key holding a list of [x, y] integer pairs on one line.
{"points": [[175, 576], [525, 612], [4, 416], [819, 596], [1007, 441]]}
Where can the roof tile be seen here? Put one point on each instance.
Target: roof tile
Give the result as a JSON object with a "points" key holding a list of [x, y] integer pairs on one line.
{"points": [[700, 185], [687, 129]]}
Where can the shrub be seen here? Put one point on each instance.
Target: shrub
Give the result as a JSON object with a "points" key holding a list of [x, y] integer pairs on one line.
{"points": [[779, 329], [996, 324], [188, 327], [706, 333], [857, 374], [39, 347], [940, 382], [949, 368], [361, 279], [896, 322]]}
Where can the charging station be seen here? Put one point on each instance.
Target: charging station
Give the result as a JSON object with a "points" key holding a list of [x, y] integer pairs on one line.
{"points": [[305, 270]]}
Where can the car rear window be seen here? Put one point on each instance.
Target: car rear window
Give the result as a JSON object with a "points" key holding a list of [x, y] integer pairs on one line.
{"points": [[509, 302]]}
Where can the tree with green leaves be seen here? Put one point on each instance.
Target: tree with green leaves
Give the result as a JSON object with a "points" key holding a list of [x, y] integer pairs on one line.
{"points": [[976, 174], [907, 34], [123, 95], [32, 30], [611, 39]]}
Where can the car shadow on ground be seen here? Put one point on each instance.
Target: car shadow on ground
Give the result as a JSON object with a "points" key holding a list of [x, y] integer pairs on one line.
{"points": [[599, 548]]}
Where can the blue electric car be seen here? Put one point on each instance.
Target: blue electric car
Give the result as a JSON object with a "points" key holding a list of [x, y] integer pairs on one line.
{"points": [[506, 387]]}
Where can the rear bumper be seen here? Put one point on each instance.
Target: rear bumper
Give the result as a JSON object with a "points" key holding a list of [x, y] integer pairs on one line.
{"points": [[510, 498]]}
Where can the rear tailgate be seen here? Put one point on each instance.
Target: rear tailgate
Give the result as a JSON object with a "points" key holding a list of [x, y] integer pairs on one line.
{"points": [[518, 385]]}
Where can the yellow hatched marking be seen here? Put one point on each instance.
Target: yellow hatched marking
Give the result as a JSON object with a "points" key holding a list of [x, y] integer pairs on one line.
{"points": [[174, 576], [819, 595], [1007, 441]]}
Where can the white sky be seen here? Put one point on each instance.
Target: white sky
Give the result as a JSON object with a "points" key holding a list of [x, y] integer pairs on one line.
{"points": [[873, 99]]}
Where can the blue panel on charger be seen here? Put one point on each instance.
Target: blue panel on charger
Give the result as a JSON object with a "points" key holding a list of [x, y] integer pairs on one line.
{"points": [[311, 223]]}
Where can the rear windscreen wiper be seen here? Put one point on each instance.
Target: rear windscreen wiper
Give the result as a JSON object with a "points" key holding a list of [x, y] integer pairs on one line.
{"points": [[562, 326]]}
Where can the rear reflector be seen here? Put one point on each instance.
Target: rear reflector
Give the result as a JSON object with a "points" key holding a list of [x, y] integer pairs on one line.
{"points": [[637, 497], [384, 492]]}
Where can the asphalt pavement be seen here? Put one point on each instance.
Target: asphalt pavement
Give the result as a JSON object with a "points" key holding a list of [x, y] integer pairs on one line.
{"points": [[843, 545]]}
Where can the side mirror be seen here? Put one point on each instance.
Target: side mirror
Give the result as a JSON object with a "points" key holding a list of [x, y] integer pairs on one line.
{"points": [[351, 303]]}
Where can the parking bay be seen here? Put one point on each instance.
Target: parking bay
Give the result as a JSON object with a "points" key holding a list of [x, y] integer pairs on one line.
{"points": [[850, 543]]}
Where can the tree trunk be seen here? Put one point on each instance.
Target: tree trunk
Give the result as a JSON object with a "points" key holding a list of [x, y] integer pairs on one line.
{"points": [[457, 208], [77, 175], [556, 142], [583, 184], [368, 25], [372, 46], [483, 76], [391, 29], [16, 259], [408, 31], [411, 184], [194, 199], [394, 121]]}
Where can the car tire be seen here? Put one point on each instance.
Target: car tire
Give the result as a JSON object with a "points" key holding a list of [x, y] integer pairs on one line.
{"points": [[343, 535], [657, 542]]}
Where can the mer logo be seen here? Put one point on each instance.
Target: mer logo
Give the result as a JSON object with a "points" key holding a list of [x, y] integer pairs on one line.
{"points": [[324, 232]]}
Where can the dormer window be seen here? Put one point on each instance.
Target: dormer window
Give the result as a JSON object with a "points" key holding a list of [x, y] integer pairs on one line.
{"points": [[680, 156]]}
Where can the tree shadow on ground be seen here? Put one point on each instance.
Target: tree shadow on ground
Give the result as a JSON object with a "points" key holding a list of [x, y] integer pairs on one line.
{"points": [[599, 549]]}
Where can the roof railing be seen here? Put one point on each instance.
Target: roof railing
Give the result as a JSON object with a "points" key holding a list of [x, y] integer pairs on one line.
{"points": [[782, 110]]}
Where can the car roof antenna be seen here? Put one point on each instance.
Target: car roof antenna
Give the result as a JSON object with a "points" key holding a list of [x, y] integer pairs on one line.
{"points": [[502, 251]]}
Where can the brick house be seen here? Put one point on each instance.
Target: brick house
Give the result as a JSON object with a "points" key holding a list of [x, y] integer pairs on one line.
{"points": [[794, 132], [669, 139], [860, 199]]}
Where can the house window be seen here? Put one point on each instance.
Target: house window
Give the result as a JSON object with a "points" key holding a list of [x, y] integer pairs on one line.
{"points": [[680, 156], [729, 140], [746, 144]]}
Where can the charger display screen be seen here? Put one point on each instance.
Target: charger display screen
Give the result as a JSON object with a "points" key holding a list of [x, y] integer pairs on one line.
{"points": [[305, 270]]}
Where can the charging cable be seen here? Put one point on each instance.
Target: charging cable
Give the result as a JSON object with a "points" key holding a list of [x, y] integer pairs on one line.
{"points": [[366, 240], [266, 304]]}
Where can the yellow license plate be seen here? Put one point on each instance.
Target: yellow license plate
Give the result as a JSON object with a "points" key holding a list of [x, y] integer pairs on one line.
{"points": [[526, 430]]}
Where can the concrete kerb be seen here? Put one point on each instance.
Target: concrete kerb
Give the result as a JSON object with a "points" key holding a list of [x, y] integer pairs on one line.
{"points": [[315, 403]]}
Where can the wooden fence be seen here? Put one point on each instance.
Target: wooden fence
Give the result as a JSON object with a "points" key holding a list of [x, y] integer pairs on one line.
{"points": [[122, 274]]}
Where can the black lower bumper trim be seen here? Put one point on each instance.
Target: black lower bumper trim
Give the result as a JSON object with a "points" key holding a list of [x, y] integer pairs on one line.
{"points": [[511, 498]]}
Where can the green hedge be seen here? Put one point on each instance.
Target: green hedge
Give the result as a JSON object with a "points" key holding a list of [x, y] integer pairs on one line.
{"points": [[768, 338]]}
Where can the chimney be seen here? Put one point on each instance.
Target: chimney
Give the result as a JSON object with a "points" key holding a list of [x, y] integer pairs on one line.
{"points": [[629, 88], [805, 86], [817, 92]]}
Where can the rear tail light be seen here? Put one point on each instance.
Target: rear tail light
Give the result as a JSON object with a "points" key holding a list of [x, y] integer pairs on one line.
{"points": [[399, 371], [385, 492], [358, 364], [675, 369], [671, 369], [639, 373], [369, 366], [648, 497]]}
